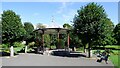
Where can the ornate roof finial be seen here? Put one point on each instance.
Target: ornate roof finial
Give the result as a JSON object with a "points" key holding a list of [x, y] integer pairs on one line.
{"points": [[53, 24]]}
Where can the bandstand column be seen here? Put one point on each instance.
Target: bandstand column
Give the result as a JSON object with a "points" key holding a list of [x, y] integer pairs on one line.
{"points": [[68, 40], [43, 40], [58, 30]]}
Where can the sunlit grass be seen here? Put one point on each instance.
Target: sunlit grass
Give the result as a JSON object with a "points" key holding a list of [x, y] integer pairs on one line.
{"points": [[114, 59]]}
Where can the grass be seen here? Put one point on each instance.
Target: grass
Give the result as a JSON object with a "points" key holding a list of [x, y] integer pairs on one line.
{"points": [[80, 49], [114, 59], [113, 46]]}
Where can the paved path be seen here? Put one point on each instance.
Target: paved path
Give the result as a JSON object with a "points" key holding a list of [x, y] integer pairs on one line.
{"points": [[44, 60]]}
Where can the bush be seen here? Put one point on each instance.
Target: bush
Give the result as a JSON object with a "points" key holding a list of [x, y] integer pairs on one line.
{"points": [[60, 44], [30, 46], [4, 48], [18, 46]]}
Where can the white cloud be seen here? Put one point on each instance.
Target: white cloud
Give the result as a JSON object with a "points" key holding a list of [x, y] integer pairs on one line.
{"points": [[69, 16], [35, 14], [62, 7], [67, 13]]}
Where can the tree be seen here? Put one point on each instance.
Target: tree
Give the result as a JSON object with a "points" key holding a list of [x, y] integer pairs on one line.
{"points": [[29, 31], [74, 40], [12, 28], [90, 24], [53, 40], [40, 25], [117, 33], [106, 36], [47, 40], [0, 32], [66, 25], [38, 36]]}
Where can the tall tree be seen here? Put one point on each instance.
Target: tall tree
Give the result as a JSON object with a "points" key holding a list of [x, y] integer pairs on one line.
{"points": [[29, 34], [29, 31], [89, 24], [0, 32], [12, 28], [117, 33]]}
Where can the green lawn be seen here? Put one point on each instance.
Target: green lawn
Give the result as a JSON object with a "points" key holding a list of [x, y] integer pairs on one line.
{"points": [[114, 59], [113, 46], [114, 56]]}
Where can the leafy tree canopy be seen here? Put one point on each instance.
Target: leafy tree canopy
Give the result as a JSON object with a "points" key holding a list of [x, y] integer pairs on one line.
{"points": [[40, 25], [117, 33], [92, 25], [29, 31], [12, 28], [66, 25], [28, 27]]}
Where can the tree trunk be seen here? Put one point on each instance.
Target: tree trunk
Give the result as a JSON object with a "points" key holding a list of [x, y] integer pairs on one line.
{"points": [[73, 48], [11, 51], [50, 47], [38, 49], [89, 53], [85, 48], [89, 49]]}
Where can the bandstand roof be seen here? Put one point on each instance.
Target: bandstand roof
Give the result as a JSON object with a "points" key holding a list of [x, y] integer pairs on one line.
{"points": [[52, 30]]}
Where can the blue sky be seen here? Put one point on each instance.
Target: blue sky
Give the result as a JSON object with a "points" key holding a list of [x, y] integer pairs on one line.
{"points": [[62, 12]]}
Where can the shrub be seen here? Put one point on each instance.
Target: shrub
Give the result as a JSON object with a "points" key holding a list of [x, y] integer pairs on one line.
{"points": [[5, 48], [18, 46], [30, 46]]}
